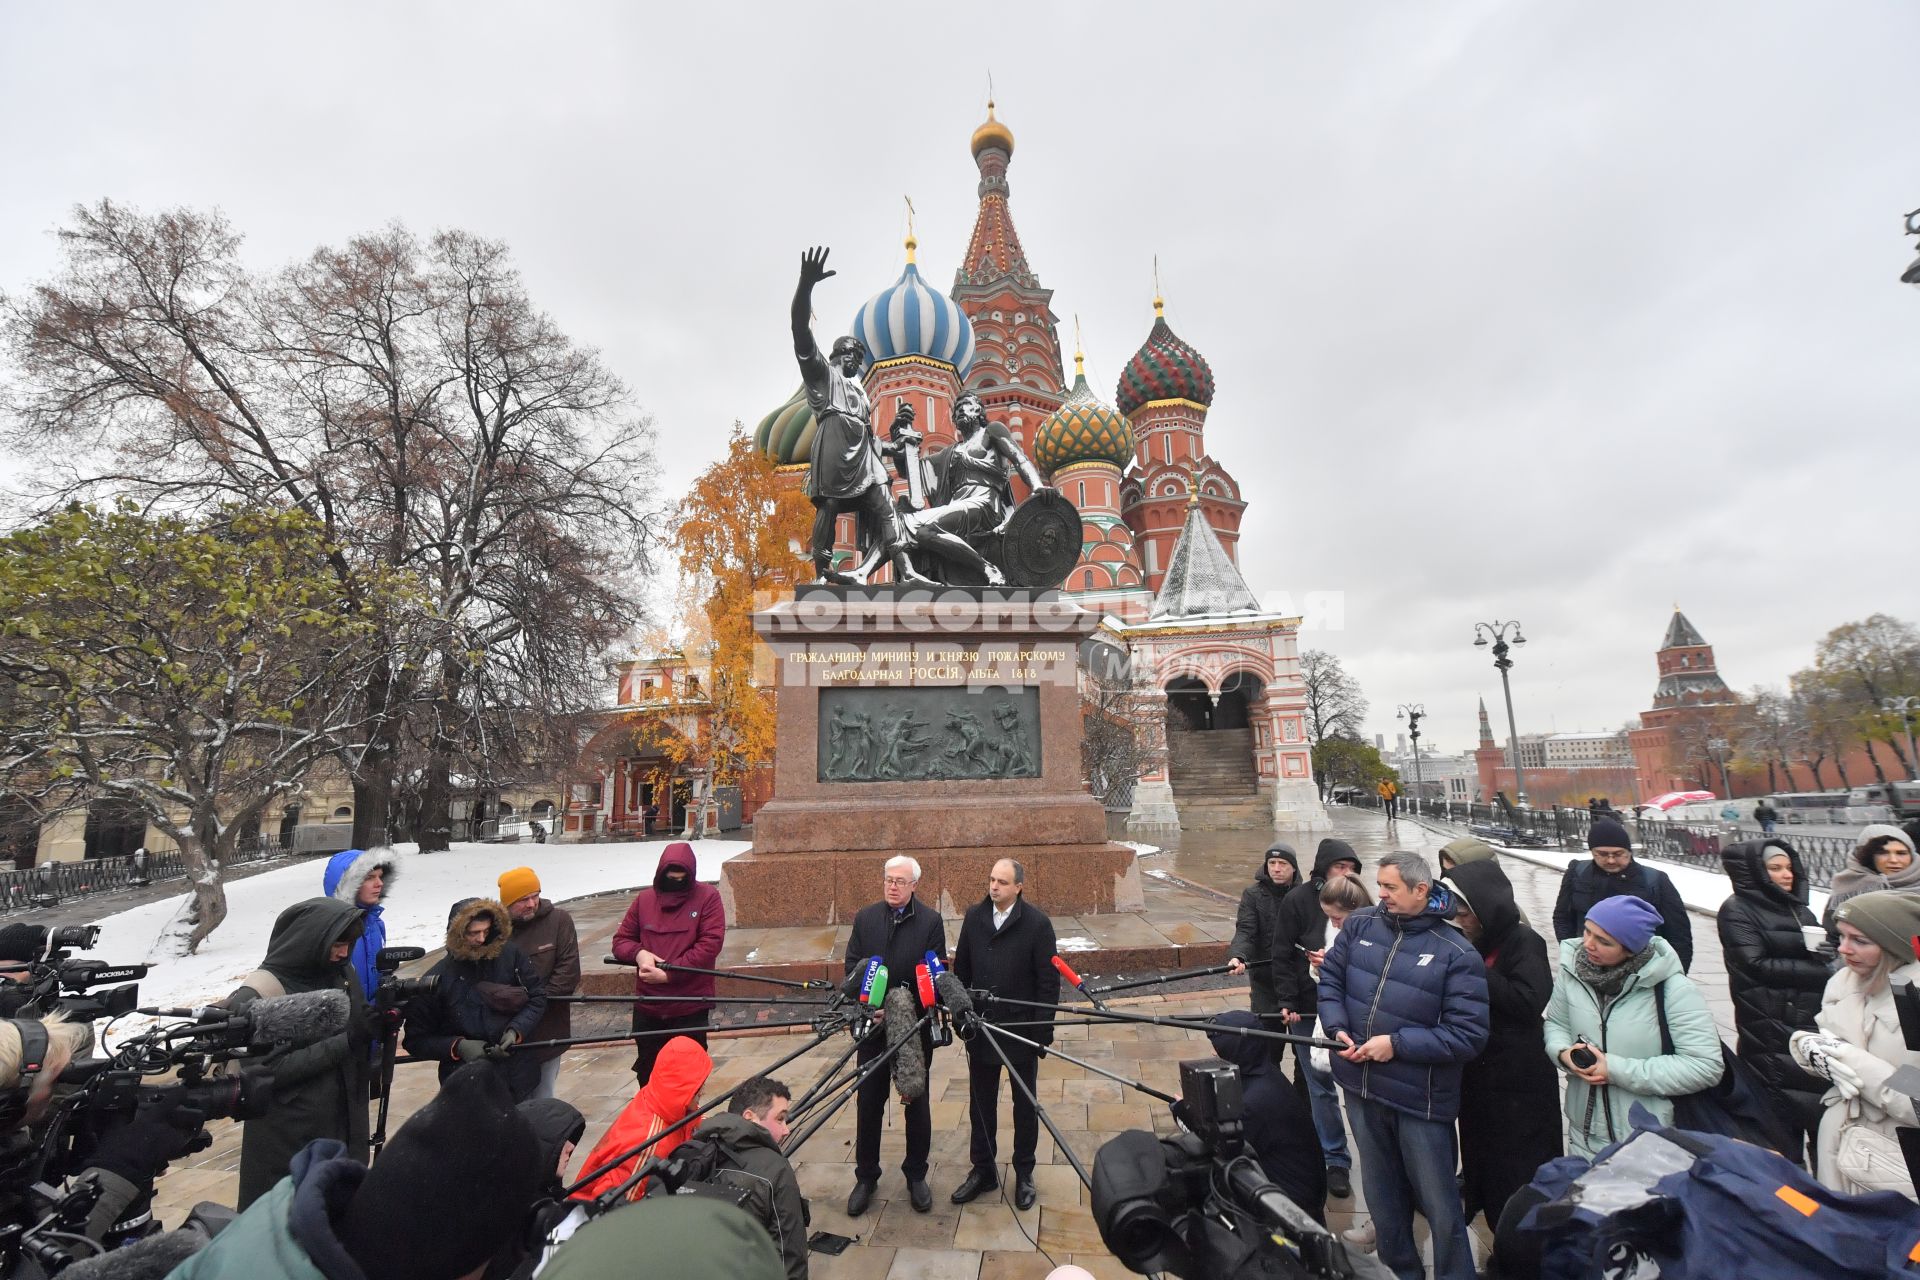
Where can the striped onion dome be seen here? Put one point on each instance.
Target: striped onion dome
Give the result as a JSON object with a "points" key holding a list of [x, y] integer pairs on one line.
{"points": [[1164, 368], [786, 434], [1082, 429], [908, 318]]}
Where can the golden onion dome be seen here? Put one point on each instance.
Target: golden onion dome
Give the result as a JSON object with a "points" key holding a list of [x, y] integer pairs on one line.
{"points": [[992, 134]]}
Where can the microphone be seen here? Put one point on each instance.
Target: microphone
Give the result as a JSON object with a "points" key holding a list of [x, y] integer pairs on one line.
{"points": [[923, 985], [933, 964], [23, 942], [304, 1018], [873, 987], [1073, 980], [957, 1000], [909, 1059], [929, 999]]}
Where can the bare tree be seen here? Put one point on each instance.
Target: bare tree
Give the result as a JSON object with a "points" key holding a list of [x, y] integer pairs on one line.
{"points": [[1335, 705], [413, 400], [1123, 723]]}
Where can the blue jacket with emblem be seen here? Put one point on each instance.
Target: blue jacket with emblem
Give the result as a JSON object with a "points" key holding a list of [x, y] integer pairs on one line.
{"points": [[1418, 980], [344, 874]]}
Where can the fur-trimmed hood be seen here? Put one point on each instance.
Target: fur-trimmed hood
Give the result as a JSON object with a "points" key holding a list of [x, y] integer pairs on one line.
{"points": [[463, 914], [346, 871]]}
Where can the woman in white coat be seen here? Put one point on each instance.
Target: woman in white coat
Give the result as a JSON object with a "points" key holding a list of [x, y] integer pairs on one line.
{"points": [[1859, 1046]]}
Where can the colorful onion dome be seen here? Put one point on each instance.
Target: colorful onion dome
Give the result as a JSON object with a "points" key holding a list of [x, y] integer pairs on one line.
{"points": [[1082, 429], [786, 434], [1164, 368], [909, 318], [992, 134]]}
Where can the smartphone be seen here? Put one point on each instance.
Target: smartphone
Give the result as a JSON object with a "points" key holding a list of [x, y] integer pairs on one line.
{"points": [[829, 1243]]}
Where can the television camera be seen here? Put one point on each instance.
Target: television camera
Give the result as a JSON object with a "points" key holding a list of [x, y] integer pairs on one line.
{"points": [[1198, 1206], [47, 978]]}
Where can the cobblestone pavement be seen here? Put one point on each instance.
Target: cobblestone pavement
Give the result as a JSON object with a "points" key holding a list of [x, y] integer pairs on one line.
{"points": [[986, 1240]]}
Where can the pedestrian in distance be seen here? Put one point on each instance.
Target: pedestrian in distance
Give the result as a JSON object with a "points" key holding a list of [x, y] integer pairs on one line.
{"points": [[1612, 870], [680, 921], [363, 878], [1619, 983], [746, 1139], [1253, 934], [1775, 977], [487, 998], [319, 1090], [546, 935], [1858, 1046], [654, 1112], [1509, 1095], [1300, 933], [1882, 859], [1406, 993], [1006, 948], [455, 1183], [1276, 1123], [1389, 793], [1767, 816], [900, 929]]}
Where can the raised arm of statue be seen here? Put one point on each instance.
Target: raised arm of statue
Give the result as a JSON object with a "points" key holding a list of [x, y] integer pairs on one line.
{"points": [[813, 269], [1007, 445]]}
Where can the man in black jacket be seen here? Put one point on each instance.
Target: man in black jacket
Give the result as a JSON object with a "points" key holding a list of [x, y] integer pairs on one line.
{"points": [[1253, 931], [487, 999], [1301, 927], [900, 929], [1006, 947], [747, 1138], [1611, 872]]}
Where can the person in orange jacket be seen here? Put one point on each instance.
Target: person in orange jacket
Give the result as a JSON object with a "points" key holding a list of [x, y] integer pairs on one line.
{"points": [[678, 1075]]}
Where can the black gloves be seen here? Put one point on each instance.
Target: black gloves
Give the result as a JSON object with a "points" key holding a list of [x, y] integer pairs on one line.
{"points": [[140, 1149]]}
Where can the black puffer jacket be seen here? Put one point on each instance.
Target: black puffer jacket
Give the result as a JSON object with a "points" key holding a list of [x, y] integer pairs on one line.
{"points": [[1775, 981], [1302, 923], [1253, 928], [483, 992]]}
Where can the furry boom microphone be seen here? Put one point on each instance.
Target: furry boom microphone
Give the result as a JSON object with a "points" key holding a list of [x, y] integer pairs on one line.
{"points": [[957, 999], [307, 1017], [909, 1059]]}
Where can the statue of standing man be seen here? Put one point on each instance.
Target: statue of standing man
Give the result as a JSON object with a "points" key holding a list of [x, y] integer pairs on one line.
{"points": [[845, 471]]}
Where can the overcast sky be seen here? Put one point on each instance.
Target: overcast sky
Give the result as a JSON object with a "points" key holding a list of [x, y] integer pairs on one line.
{"points": [[1556, 312]]}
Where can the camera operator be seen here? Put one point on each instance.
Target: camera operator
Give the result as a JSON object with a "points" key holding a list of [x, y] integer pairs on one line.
{"points": [[487, 998], [320, 1090], [455, 1184]]}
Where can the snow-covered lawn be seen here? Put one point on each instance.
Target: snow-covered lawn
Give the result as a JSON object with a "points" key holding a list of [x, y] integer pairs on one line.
{"points": [[425, 887]]}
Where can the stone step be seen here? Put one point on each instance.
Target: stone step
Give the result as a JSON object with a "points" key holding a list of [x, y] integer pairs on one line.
{"points": [[1214, 814]]}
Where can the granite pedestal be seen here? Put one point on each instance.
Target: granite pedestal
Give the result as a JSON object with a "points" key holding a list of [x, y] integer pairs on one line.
{"points": [[943, 724]]}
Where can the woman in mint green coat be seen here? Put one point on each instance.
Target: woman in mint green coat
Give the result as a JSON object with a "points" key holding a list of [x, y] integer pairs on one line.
{"points": [[1604, 1006]]}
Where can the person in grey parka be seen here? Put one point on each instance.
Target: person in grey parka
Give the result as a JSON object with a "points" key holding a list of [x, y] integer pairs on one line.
{"points": [[1605, 1005], [319, 1090]]}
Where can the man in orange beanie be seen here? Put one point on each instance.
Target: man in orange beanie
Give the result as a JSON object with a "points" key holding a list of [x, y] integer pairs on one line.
{"points": [[545, 935]]}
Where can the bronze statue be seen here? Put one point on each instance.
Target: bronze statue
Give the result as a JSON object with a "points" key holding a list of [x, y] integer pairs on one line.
{"points": [[845, 471], [969, 493]]}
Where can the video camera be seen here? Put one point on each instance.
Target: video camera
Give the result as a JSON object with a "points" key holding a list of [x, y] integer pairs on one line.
{"points": [[1197, 1205], [394, 991], [52, 980]]}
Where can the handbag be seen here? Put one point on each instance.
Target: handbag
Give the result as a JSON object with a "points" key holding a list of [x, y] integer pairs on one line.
{"points": [[1734, 1106]]}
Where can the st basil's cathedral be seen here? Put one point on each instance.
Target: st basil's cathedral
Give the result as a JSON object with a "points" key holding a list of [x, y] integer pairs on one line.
{"points": [[1210, 668]]}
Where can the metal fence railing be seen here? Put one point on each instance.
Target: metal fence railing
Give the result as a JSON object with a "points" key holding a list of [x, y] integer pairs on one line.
{"points": [[54, 882], [1690, 844]]}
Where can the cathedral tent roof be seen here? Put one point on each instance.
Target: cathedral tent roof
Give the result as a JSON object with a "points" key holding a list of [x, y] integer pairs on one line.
{"points": [[1201, 581], [1682, 634]]}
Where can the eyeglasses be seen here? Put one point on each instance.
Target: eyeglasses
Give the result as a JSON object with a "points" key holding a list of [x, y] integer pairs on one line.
{"points": [[896, 882]]}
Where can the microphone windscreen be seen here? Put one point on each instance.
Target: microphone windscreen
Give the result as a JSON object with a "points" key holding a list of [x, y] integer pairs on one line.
{"points": [[1066, 971], [953, 995], [23, 942], [307, 1017], [910, 1062]]}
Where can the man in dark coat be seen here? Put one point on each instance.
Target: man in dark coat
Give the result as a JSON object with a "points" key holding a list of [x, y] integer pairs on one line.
{"points": [[1278, 1125], [1301, 927], [1510, 1094], [488, 997], [1611, 871], [1006, 947], [900, 929], [677, 921], [747, 1138], [319, 1090], [1253, 931], [546, 935], [1776, 983]]}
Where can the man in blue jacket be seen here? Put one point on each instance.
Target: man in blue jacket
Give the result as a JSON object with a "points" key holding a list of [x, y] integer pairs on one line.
{"points": [[363, 878], [1406, 992]]}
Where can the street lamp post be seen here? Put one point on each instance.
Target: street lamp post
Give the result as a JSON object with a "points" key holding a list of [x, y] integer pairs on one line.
{"points": [[1719, 748], [1412, 715], [1499, 633], [1906, 707], [1912, 274]]}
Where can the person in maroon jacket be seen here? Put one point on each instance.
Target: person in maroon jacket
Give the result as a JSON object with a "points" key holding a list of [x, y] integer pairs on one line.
{"points": [[677, 921]]}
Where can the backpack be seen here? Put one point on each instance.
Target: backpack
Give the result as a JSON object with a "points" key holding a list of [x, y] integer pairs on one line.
{"points": [[1665, 1203], [1735, 1106], [706, 1164]]}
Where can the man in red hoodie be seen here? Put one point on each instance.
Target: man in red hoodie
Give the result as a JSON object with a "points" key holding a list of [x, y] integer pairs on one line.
{"points": [[677, 921]]}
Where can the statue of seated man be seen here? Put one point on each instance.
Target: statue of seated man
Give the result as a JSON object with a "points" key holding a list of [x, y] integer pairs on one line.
{"points": [[970, 495]]}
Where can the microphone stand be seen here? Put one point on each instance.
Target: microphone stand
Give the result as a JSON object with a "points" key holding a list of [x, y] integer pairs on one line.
{"points": [[1052, 1052], [822, 1085], [1098, 1017], [794, 1140], [811, 984], [1059, 1139], [1133, 983], [787, 1000], [389, 1051]]}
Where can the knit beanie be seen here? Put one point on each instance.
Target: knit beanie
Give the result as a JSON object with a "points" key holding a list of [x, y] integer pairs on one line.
{"points": [[1606, 833], [454, 1184], [517, 884], [1628, 920], [1890, 917]]}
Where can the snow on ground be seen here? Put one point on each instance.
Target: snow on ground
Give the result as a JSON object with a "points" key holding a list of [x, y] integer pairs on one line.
{"points": [[1702, 890], [426, 886], [1144, 850]]}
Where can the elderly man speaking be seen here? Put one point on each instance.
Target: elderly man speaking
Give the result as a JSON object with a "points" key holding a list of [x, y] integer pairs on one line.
{"points": [[900, 929]]}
